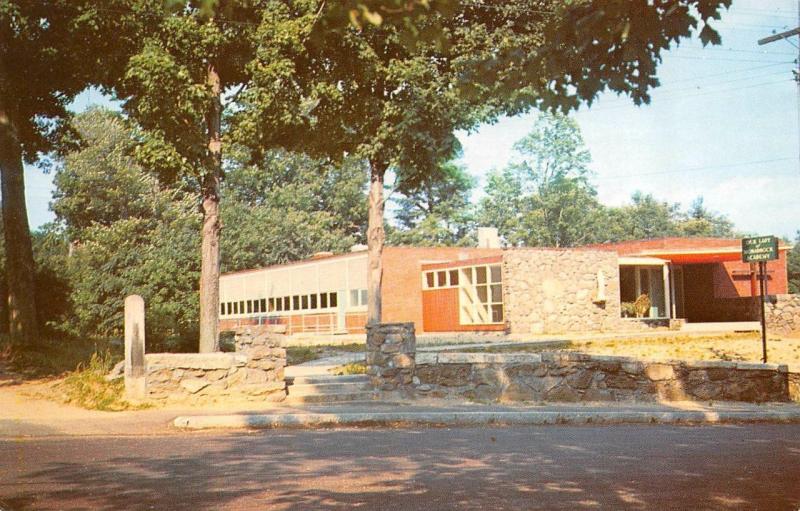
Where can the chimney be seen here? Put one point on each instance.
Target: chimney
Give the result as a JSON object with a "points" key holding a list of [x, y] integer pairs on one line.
{"points": [[488, 238]]}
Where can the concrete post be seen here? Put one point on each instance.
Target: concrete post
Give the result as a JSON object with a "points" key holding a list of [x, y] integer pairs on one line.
{"points": [[135, 380]]}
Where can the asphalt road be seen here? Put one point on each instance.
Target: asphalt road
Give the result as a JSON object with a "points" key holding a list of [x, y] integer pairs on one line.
{"points": [[552, 467]]}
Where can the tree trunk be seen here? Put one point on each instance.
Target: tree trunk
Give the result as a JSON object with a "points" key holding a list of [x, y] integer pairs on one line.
{"points": [[209, 264], [375, 240], [20, 268]]}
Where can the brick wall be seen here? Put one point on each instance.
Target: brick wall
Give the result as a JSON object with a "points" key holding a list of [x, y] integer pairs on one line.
{"points": [[402, 278]]}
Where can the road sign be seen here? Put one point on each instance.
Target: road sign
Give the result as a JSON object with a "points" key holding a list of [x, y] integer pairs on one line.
{"points": [[761, 248]]}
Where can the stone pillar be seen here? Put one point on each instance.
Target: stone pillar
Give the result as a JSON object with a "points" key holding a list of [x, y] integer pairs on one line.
{"points": [[135, 378], [391, 354]]}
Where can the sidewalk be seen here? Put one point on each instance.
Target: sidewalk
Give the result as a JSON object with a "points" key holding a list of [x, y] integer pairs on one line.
{"points": [[24, 417]]}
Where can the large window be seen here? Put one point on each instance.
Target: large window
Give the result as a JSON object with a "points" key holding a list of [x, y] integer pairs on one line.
{"points": [[480, 295], [642, 291]]}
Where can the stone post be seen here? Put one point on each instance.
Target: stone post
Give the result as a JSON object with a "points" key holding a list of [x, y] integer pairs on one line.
{"points": [[391, 356], [135, 378]]}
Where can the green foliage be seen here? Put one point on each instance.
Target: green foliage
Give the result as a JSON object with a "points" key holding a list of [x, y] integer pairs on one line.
{"points": [[120, 231], [437, 211], [88, 388], [350, 368], [545, 198], [288, 206], [793, 265]]}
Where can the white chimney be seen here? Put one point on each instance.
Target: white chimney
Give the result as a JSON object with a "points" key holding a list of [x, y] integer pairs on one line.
{"points": [[488, 237]]}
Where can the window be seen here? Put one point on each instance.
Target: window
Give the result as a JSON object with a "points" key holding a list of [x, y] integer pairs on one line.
{"points": [[358, 297], [221, 309], [323, 301], [286, 304], [296, 303], [453, 277], [440, 278], [304, 302], [481, 295], [236, 307], [279, 304], [241, 307], [230, 308], [313, 301], [249, 306], [263, 303], [333, 299]]}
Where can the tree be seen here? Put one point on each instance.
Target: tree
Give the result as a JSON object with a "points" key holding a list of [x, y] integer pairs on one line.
{"points": [[127, 232], [438, 210], [49, 52], [395, 102], [699, 221], [793, 265], [289, 206], [545, 198]]}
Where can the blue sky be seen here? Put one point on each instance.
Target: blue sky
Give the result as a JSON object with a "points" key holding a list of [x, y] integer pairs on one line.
{"points": [[724, 125]]}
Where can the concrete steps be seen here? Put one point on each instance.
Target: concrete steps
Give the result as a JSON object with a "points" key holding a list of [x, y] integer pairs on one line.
{"points": [[321, 389]]}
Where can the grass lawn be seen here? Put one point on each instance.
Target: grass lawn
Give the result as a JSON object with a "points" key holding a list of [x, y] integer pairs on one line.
{"points": [[731, 347]]}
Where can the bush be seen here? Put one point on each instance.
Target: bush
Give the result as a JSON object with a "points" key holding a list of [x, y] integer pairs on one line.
{"points": [[88, 387]]}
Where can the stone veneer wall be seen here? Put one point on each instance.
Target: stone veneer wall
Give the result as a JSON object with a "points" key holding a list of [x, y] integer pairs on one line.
{"points": [[573, 377], [553, 291], [255, 372], [391, 350], [782, 313]]}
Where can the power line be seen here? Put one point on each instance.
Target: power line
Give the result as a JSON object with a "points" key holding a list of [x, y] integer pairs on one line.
{"points": [[695, 169]]}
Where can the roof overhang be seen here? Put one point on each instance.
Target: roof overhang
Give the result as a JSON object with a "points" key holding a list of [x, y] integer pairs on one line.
{"points": [[642, 261]]}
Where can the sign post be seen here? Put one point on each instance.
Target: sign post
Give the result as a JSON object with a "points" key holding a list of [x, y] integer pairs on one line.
{"points": [[761, 249]]}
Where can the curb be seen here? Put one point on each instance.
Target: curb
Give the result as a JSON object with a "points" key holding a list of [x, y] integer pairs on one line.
{"points": [[533, 418]]}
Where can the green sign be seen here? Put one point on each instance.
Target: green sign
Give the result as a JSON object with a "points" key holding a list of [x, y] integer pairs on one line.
{"points": [[761, 248]]}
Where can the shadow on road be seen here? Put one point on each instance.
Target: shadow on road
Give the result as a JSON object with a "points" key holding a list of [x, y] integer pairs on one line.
{"points": [[630, 467]]}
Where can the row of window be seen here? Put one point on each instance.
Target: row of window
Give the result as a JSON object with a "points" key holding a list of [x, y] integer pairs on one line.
{"points": [[436, 279], [358, 298]]}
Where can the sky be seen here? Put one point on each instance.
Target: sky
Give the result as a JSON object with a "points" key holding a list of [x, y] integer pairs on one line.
{"points": [[723, 125]]}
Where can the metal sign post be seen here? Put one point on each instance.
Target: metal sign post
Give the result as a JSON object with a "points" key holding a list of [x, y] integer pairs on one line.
{"points": [[761, 249]]}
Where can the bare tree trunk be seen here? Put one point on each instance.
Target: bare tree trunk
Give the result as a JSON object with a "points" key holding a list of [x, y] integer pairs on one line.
{"points": [[209, 264], [20, 268], [375, 240]]}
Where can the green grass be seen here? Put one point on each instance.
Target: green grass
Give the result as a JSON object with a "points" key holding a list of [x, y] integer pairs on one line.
{"points": [[88, 388], [351, 368], [300, 354], [51, 357]]}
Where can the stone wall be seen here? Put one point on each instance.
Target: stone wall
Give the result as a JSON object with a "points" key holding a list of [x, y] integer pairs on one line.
{"points": [[782, 313], [574, 377], [551, 291], [255, 374], [391, 349]]}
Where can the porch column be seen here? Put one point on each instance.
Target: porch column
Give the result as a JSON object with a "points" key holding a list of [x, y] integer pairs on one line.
{"points": [[667, 291]]}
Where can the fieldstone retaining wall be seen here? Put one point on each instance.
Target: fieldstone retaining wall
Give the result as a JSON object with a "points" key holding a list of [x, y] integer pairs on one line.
{"points": [[254, 336], [552, 291], [574, 377], [782, 313], [391, 349], [256, 374]]}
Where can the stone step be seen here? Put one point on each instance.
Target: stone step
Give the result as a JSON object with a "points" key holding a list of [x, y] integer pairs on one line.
{"points": [[325, 378], [305, 389], [337, 397]]}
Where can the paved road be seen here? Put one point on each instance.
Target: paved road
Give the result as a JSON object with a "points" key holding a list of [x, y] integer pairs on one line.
{"points": [[554, 467]]}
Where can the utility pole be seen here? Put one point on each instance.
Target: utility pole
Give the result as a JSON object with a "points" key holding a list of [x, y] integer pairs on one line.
{"points": [[785, 36]]}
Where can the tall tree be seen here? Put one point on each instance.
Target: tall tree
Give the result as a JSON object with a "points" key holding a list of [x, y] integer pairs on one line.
{"points": [[437, 210], [49, 52], [372, 94], [700, 221], [545, 198]]}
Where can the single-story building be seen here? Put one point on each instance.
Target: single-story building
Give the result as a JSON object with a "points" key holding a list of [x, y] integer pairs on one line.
{"points": [[530, 290]]}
